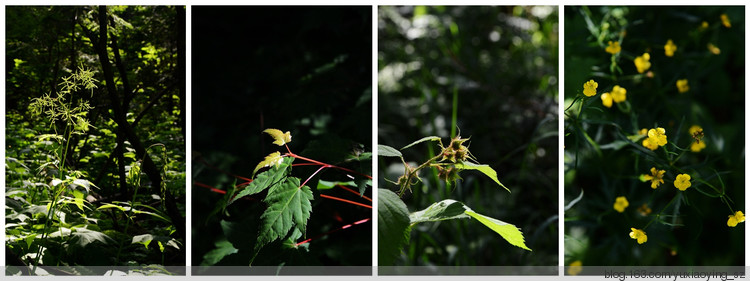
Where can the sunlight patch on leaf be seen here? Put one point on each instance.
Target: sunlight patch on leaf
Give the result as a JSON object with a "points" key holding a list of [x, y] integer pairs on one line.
{"points": [[387, 151], [508, 231], [280, 138], [273, 159]]}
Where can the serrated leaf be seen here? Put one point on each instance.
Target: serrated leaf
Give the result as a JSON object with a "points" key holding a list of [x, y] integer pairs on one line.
{"points": [[430, 138], [288, 206], [444, 210], [508, 231], [280, 138], [84, 183], [387, 151], [264, 180], [223, 249], [393, 226], [273, 159], [486, 169]]}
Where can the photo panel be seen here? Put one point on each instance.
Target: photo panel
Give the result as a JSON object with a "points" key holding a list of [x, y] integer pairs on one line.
{"points": [[281, 140], [468, 140], [654, 137], [95, 140]]}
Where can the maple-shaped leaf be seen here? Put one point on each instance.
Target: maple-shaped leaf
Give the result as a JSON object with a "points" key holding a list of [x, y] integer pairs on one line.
{"points": [[273, 159], [280, 138], [267, 178], [288, 207]]}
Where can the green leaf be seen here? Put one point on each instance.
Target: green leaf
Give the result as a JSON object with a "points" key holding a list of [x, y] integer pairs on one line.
{"points": [[451, 209], [288, 206], [443, 210], [264, 180], [84, 237], [280, 138], [324, 185], [393, 226], [508, 231], [430, 138], [387, 151], [273, 159], [486, 169], [223, 249]]}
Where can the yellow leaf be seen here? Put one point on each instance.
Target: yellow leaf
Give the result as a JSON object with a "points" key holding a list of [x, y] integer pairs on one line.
{"points": [[272, 159], [279, 137]]}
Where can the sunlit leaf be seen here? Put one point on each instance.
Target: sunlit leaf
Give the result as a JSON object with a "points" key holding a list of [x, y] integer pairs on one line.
{"points": [[264, 180], [486, 169], [444, 210], [387, 151], [83, 237], [273, 159], [508, 231], [280, 138]]}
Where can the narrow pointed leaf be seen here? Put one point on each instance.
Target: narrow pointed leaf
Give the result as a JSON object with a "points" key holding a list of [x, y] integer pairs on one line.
{"points": [[288, 207], [430, 138], [280, 138], [387, 151], [486, 169], [393, 226], [265, 179], [508, 231]]}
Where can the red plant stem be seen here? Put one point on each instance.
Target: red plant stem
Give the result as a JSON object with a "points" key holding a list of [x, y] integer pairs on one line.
{"points": [[310, 177], [329, 165], [352, 191], [306, 164], [344, 200], [332, 231], [210, 188]]}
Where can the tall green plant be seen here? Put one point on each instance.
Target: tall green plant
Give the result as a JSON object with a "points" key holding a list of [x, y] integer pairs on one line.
{"points": [[395, 221], [65, 111]]}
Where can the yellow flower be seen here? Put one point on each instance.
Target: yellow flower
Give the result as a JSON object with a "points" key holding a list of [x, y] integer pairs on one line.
{"points": [[695, 130], [638, 235], [704, 24], [713, 49], [669, 48], [656, 177], [682, 85], [574, 268], [642, 63], [589, 88], [697, 146], [620, 204], [644, 210], [650, 145], [738, 217], [643, 132], [682, 182], [607, 99], [618, 94], [657, 136], [725, 21], [613, 48], [697, 133]]}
